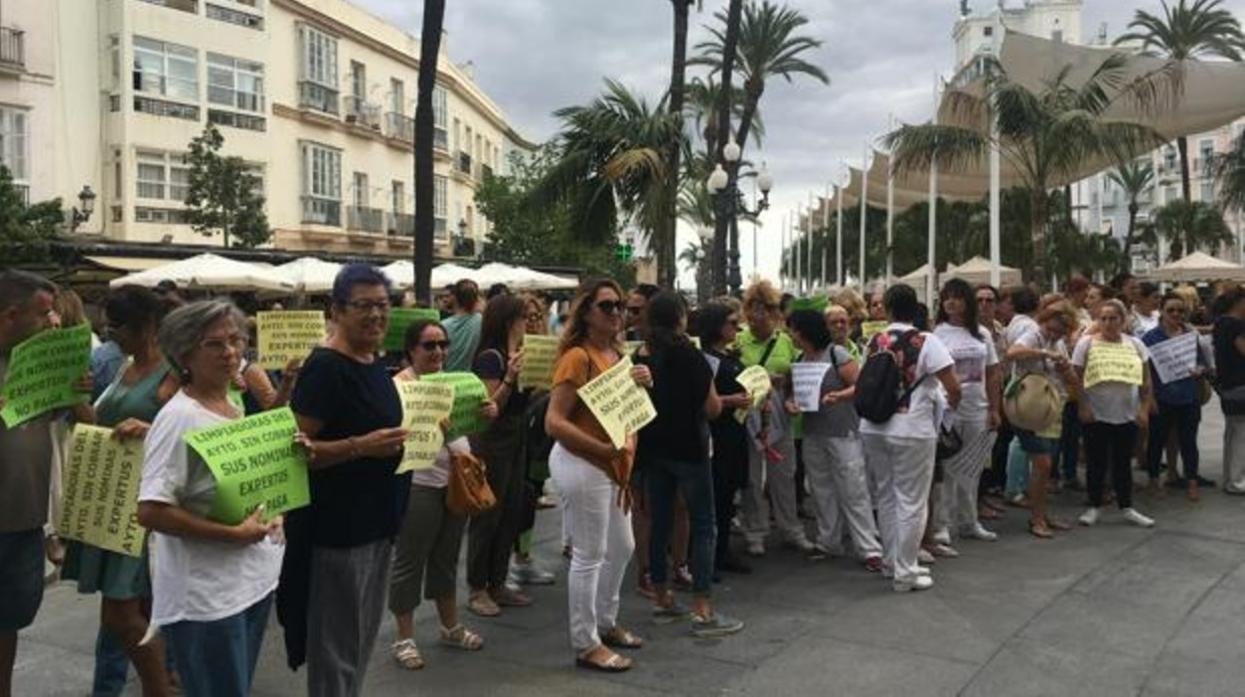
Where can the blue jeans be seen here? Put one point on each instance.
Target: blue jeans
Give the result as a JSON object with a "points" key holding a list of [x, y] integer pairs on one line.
{"points": [[111, 665], [1017, 469], [217, 659], [1069, 443], [663, 478]]}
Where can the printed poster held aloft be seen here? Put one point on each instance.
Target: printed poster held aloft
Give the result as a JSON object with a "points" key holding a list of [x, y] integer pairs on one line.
{"points": [[287, 335], [100, 491], [42, 373], [424, 406]]}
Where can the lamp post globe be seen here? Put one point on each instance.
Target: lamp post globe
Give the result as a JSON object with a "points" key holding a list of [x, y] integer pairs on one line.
{"points": [[731, 152], [717, 180], [765, 180]]}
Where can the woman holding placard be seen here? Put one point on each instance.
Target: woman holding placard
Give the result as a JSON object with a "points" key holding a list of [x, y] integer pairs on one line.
{"points": [[212, 583], [128, 405], [491, 534], [833, 455], [1178, 397], [1114, 404], [592, 474], [426, 552]]}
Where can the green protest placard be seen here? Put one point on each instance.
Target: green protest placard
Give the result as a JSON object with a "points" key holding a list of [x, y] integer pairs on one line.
{"points": [[424, 406], [287, 335], [42, 372], [815, 303], [469, 395], [622, 406], [539, 355], [254, 461], [402, 317], [99, 491]]}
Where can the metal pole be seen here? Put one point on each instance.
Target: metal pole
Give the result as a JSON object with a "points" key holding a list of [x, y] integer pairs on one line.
{"points": [[864, 212], [799, 269], [825, 230], [931, 281], [890, 219], [808, 254], [995, 182], [755, 271], [838, 242], [782, 255]]}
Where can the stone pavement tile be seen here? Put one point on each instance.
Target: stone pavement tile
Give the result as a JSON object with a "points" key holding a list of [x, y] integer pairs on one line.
{"points": [[485, 676], [767, 632], [67, 619], [1024, 668], [1082, 622], [1205, 655], [1166, 569], [43, 670], [822, 666]]}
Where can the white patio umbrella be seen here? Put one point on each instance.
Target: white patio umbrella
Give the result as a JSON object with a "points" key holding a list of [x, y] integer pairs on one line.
{"points": [[523, 278], [402, 274], [977, 270], [210, 272], [1196, 267], [309, 274]]}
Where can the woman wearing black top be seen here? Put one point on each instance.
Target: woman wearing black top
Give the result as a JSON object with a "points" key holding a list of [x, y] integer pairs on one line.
{"points": [[491, 534], [718, 325], [674, 452]]}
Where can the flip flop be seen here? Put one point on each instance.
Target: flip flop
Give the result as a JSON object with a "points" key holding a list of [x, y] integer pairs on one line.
{"points": [[613, 664]]}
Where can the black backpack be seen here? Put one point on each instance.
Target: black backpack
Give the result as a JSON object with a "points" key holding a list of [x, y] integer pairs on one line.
{"points": [[880, 388]]}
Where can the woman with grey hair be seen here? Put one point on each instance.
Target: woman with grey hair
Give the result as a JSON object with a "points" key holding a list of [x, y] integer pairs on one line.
{"points": [[212, 583]]}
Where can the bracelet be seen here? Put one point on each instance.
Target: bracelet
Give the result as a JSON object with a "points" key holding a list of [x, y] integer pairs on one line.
{"points": [[507, 383]]}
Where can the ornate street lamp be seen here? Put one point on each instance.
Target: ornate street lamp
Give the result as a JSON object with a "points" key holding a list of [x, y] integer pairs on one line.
{"points": [[86, 198], [729, 204]]}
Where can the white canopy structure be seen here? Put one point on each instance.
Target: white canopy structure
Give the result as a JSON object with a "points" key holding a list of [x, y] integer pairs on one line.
{"points": [[977, 270], [1197, 267], [402, 274], [210, 272], [309, 274], [523, 278]]}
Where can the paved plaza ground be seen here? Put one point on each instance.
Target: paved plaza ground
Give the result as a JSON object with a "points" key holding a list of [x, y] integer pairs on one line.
{"points": [[1113, 610]]}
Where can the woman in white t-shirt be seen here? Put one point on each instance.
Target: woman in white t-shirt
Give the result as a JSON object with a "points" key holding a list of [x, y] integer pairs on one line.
{"points": [[212, 583], [425, 559], [1115, 406], [977, 367]]}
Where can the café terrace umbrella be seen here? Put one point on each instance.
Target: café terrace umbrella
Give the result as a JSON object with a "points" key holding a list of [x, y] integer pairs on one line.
{"points": [[1197, 267], [309, 274], [210, 272]]}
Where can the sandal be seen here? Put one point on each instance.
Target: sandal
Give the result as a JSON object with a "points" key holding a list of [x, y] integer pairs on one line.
{"points": [[1057, 524], [406, 653], [462, 638], [988, 513], [619, 638], [611, 663], [506, 597], [1038, 529], [482, 605]]}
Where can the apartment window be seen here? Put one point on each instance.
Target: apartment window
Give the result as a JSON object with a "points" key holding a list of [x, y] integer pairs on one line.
{"points": [[440, 202], [440, 110], [397, 96], [397, 197], [457, 128], [242, 19], [14, 138], [183, 5], [362, 198], [168, 216], [321, 184], [1208, 191], [987, 30], [235, 120], [358, 80], [166, 69], [237, 83], [162, 175], [318, 86]]}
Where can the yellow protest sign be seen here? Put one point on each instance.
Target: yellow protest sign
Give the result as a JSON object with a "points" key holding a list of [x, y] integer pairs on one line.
{"points": [[539, 354], [287, 335], [100, 491], [424, 406], [622, 406], [868, 330], [630, 347], [1108, 362]]}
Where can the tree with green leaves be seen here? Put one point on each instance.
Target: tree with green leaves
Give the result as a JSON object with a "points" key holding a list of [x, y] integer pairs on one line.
{"points": [[223, 195], [26, 231], [1191, 225], [1229, 169], [695, 257], [1135, 178], [1186, 31], [1046, 135], [609, 166]]}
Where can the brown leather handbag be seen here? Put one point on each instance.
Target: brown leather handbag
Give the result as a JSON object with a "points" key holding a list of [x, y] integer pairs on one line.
{"points": [[468, 492]]}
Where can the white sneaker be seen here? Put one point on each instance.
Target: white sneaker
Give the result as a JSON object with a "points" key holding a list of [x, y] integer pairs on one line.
{"points": [[925, 557], [1141, 521], [941, 550], [943, 536], [1089, 517], [756, 549], [888, 573], [803, 545], [977, 531], [920, 583]]}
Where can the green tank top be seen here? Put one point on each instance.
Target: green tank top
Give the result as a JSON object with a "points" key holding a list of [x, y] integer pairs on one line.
{"points": [[138, 401]]}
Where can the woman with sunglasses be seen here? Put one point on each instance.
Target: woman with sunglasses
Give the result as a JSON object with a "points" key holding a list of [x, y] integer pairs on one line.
{"points": [[765, 343], [1179, 401], [425, 559], [1113, 410], [592, 475]]}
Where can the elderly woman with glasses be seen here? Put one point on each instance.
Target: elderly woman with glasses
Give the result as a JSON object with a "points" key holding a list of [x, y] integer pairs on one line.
{"points": [[349, 415], [426, 554], [212, 583], [765, 343], [592, 475]]}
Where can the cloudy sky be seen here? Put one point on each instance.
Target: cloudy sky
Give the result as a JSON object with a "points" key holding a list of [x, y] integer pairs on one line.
{"points": [[534, 56]]}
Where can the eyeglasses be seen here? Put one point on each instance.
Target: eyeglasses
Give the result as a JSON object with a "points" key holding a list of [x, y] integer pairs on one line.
{"points": [[366, 306], [444, 345], [237, 342], [610, 307]]}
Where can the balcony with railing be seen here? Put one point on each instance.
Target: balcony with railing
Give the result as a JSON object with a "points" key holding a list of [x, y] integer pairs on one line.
{"points": [[191, 6], [361, 112], [12, 48], [400, 224], [321, 211], [313, 95], [400, 127], [365, 219], [463, 163]]}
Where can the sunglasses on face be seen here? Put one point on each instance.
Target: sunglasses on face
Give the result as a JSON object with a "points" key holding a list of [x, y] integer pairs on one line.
{"points": [[443, 345], [610, 307]]}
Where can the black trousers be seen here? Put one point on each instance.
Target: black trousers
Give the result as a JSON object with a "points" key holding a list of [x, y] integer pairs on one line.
{"points": [[1109, 447]]}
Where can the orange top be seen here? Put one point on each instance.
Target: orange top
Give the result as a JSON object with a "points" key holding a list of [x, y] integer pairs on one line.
{"points": [[578, 366]]}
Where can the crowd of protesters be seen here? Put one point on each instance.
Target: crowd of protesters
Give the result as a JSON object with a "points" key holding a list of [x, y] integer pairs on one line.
{"points": [[985, 401]]}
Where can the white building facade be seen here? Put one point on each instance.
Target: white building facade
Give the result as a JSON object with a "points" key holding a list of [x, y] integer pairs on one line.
{"points": [[318, 95]]}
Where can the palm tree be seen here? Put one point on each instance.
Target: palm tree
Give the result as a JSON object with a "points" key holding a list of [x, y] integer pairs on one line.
{"points": [[695, 256], [1190, 225], [701, 105], [609, 163], [666, 271], [429, 48], [1045, 135], [1185, 32], [1135, 178], [1229, 170]]}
